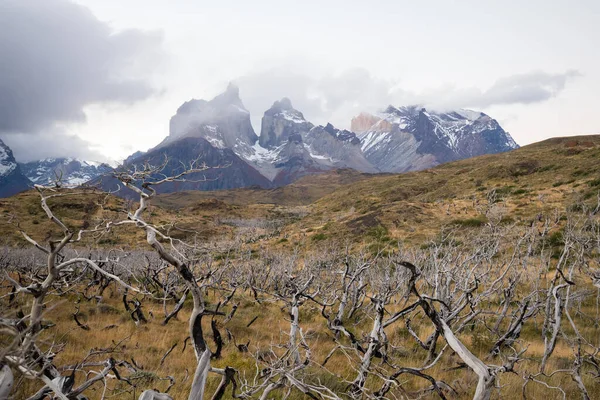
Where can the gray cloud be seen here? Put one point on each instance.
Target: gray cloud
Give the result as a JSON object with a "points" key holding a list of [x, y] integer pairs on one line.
{"points": [[327, 98], [527, 88], [260, 90], [338, 97], [52, 143], [57, 58], [533, 87]]}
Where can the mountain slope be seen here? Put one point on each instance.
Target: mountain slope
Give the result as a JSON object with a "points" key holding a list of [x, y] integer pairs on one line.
{"points": [[226, 170], [290, 147], [337, 148], [515, 187], [12, 180], [546, 178], [411, 138], [71, 172], [302, 192]]}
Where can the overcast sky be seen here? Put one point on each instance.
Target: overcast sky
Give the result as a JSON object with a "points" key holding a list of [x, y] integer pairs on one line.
{"points": [[100, 79]]}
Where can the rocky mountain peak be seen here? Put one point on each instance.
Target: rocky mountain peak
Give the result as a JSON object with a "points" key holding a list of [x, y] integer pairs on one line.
{"points": [[280, 122], [283, 104], [231, 96], [341, 134], [7, 160], [223, 121], [284, 109], [363, 122]]}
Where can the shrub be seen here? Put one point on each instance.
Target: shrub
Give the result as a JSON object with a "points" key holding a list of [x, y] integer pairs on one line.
{"points": [[579, 172], [522, 168], [107, 309], [379, 233], [318, 237], [504, 191], [520, 191], [545, 168], [470, 222], [594, 182]]}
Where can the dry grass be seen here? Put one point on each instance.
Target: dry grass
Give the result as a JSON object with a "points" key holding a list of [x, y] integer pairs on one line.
{"points": [[538, 178], [111, 327], [373, 212], [347, 206]]}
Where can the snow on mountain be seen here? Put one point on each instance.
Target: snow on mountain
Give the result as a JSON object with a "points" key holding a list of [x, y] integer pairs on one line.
{"points": [[7, 161], [223, 121], [70, 172], [410, 138], [337, 148], [288, 147]]}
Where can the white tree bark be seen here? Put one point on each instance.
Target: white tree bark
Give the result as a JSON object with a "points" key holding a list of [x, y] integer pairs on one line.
{"points": [[6, 382]]}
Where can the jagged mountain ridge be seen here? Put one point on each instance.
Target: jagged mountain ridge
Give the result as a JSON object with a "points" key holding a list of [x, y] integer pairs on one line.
{"points": [[412, 138], [230, 171], [70, 172], [289, 147]]}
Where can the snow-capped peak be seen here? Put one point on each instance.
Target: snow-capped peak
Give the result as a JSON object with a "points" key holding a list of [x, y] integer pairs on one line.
{"points": [[283, 108], [70, 171], [7, 161]]}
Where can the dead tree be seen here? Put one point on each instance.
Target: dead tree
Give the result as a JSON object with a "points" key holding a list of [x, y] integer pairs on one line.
{"points": [[23, 352], [143, 182]]}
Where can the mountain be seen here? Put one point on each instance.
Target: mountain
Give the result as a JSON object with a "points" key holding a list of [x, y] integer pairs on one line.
{"points": [[337, 148], [412, 138], [280, 153], [289, 147], [133, 156], [223, 121], [219, 133], [70, 171], [12, 180], [229, 170], [214, 132]]}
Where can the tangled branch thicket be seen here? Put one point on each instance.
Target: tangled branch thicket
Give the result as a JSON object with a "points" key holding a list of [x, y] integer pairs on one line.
{"points": [[504, 311]]}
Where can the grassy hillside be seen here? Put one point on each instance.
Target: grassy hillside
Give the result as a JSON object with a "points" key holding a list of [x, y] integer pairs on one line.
{"points": [[347, 206], [516, 186], [304, 191]]}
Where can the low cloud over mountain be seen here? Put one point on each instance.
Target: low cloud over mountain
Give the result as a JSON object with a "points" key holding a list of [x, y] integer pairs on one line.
{"points": [[338, 97]]}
